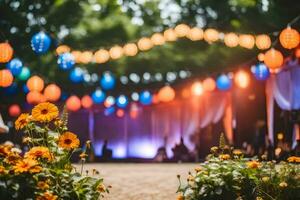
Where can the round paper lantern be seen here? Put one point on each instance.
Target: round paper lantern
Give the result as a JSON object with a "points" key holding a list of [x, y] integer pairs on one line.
{"points": [[73, 103], [34, 97], [289, 38], [166, 94], [209, 85], [260, 71], [247, 41], [223, 82], [101, 56], [14, 110], [52, 92], [158, 39], [86, 57], [195, 34], [120, 113], [130, 49], [109, 111], [6, 52], [107, 81], [76, 75], [40, 42], [6, 78], [15, 66], [12, 89], [76, 55], [145, 97], [122, 101], [231, 40], [197, 88], [35, 83], [182, 30], [116, 52], [98, 96], [170, 35], [66, 61], [273, 59], [263, 42], [62, 49], [25, 74], [242, 79], [144, 44], [211, 35], [86, 101], [261, 57], [109, 101]]}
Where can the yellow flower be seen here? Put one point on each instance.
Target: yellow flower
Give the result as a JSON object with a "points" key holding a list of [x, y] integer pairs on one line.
{"points": [[26, 140], [265, 179], [180, 197], [35, 169], [293, 159], [12, 158], [42, 185], [68, 140], [22, 121], [237, 152], [44, 112], [38, 152], [101, 188], [283, 184], [2, 170], [24, 165], [47, 196], [214, 149], [253, 164], [198, 169], [224, 156], [83, 156], [4, 150], [190, 178]]}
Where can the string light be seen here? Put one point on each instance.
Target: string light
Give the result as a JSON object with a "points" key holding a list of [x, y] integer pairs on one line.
{"points": [[170, 35], [116, 52], [242, 79], [101, 56], [211, 35], [130, 49], [144, 44], [157, 39], [182, 30], [195, 34], [231, 40], [246, 41], [263, 42], [197, 89]]}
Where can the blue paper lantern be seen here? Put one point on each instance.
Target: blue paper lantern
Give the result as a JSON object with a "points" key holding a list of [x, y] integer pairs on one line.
{"points": [[15, 66], [145, 97], [25, 74], [12, 89], [25, 89], [66, 61], [76, 75], [261, 72], [40, 42], [223, 82], [109, 111], [98, 96], [122, 101], [107, 81]]}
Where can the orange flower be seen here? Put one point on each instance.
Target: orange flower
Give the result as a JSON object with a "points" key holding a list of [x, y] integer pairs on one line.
{"points": [[2, 170], [12, 158], [253, 164], [42, 185], [180, 197], [35, 169], [4, 150], [45, 112], [24, 165], [68, 140], [237, 152], [47, 196], [224, 156], [38, 152], [101, 188], [293, 159], [22, 121]]}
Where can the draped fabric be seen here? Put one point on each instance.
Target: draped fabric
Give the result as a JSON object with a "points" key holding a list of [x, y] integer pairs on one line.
{"points": [[156, 125]]}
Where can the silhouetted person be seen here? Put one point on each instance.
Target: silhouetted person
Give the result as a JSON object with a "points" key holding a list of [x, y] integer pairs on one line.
{"points": [[161, 154], [106, 152], [181, 152]]}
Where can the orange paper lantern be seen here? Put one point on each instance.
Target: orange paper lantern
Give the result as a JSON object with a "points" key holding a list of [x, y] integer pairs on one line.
{"points": [[34, 97], [62, 49], [182, 30], [263, 41], [52, 92], [297, 53], [157, 39], [261, 57], [116, 52], [35, 83], [6, 78], [242, 79], [247, 41], [289, 38], [14, 110], [209, 85], [197, 89], [231, 40], [170, 35], [86, 57], [73, 103], [211, 35], [6, 52], [101, 56], [130, 49], [195, 34], [273, 59], [86, 101], [144, 44], [166, 94]]}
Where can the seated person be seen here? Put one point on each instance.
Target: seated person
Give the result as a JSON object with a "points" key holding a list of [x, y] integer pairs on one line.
{"points": [[161, 154], [106, 152], [181, 152]]}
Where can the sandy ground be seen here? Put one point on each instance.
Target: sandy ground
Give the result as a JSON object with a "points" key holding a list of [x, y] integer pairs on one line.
{"points": [[141, 181]]}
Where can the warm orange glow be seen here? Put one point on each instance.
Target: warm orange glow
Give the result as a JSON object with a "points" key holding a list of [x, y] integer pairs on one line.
{"points": [[211, 35], [158, 39], [14, 110], [289, 38], [195, 34], [35, 83], [6, 78], [155, 99], [231, 40], [170, 35], [34, 97], [62, 49], [86, 57], [76, 55], [120, 113], [197, 88], [297, 53], [166, 94], [185, 93], [101, 56], [6, 52], [86, 101], [73, 103], [52, 92], [116, 52], [144, 44], [209, 85], [130, 49], [273, 59], [263, 42], [261, 57], [247, 41], [182, 30], [242, 79]]}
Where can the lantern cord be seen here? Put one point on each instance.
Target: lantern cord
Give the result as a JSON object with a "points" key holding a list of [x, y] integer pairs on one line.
{"points": [[294, 20]]}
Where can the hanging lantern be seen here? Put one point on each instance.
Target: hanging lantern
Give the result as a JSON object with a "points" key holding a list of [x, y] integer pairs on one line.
{"points": [[231, 40], [182, 30], [86, 57], [170, 35], [101, 56], [52, 92], [86, 101], [116, 52], [261, 57], [73, 103], [76, 75], [120, 113], [98, 96], [6, 52], [40, 42], [144, 44], [62, 49], [122, 101], [6, 78], [211, 35], [242, 79], [247, 41], [25, 74], [107, 81], [14, 110], [76, 55], [145, 97], [35, 83], [209, 85], [263, 42], [166, 94], [297, 53], [273, 59], [195, 34], [130, 49], [15, 66], [223, 82], [197, 88], [34, 97], [289, 38], [66, 61], [260, 71], [157, 39]]}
